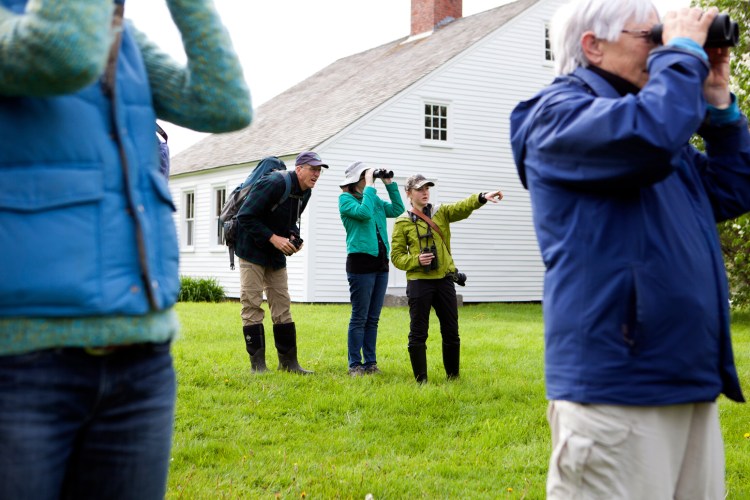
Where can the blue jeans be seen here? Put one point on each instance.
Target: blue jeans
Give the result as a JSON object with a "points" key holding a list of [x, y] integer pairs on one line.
{"points": [[81, 426], [367, 292]]}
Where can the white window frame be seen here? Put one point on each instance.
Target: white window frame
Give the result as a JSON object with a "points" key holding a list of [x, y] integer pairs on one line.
{"points": [[188, 219], [448, 142], [547, 56], [216, 205]]}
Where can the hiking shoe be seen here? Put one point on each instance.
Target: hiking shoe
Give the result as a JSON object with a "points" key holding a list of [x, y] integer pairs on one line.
{"points": [[356, 371], [372, 369]]}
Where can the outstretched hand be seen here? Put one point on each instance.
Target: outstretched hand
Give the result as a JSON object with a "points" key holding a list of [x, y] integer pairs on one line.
{"points": [[494, 196]]}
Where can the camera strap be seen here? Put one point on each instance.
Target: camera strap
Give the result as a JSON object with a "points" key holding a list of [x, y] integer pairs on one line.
{"points": [[429, 222]]}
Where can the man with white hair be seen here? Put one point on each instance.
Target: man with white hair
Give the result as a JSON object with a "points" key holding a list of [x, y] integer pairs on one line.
{"points": [[637, 341]]}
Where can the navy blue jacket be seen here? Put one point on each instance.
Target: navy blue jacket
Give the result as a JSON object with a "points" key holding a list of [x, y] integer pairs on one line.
{"points": [[625, 210]]}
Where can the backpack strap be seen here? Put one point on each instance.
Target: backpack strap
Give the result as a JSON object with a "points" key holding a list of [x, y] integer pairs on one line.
{"points": [[287, 188]]}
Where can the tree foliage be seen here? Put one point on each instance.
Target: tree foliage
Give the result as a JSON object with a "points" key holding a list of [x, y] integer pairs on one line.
{"points": [[735, 234]]}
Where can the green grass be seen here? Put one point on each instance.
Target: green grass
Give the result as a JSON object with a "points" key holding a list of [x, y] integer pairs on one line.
{"points": [[279, 435]]}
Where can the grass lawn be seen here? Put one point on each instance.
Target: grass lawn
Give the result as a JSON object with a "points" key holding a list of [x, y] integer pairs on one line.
{"points": [[279, 435]]}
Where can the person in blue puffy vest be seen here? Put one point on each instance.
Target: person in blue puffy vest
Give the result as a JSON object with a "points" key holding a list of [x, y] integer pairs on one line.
{"points": [[89, 268], [636, 308]]}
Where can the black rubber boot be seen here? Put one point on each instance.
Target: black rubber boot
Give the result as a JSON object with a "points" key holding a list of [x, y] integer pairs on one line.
{"points": [[451, 360], [255, 343], [285, 336], [418, 355]]}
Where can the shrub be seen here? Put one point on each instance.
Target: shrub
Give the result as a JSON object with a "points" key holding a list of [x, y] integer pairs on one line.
{"points": [[735, 242], [200, 290]]}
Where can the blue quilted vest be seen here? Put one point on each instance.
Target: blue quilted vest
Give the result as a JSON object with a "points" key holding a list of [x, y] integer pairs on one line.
{"points": [[86, 219]]}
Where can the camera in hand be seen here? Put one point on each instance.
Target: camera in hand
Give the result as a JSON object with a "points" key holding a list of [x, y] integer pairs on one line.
{"points": [[381, 173], [458, 278], [434, 262], [723, 32], [296, 240]]}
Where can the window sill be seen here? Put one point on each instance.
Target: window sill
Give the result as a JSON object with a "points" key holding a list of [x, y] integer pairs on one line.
{"points": [[437, 144]]}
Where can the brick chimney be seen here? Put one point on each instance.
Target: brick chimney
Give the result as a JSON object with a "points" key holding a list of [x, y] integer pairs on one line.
{"points": [[427, 14]]}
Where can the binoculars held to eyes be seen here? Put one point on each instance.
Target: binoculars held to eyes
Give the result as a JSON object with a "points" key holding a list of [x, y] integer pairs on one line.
{"points": [[382, 173], [723, 32]]}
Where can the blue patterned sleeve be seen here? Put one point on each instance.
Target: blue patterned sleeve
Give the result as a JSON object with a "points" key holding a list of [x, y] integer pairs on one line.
{"points": [[54, 47], [209, 94]]}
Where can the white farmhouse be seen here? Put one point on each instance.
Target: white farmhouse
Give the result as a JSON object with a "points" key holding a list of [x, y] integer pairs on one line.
{"points": [[436, 102]]}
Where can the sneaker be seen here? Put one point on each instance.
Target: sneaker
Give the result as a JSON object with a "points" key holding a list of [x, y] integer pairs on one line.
{"points": [[356, 371], [372, 369]]}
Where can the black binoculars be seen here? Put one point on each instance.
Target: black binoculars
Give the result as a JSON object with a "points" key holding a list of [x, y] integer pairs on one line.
{"points": [[434, 262], [382, 173], [723, 32]]}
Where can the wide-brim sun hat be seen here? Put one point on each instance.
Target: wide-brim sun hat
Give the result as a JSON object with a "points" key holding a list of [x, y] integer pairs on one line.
{"points": [[352, 173]]}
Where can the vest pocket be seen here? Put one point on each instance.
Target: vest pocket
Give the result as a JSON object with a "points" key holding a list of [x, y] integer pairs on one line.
{"points": [[50, 239]]}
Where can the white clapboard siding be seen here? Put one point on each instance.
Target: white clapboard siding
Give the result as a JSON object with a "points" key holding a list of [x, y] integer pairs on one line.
{"points": [[496, 247]]}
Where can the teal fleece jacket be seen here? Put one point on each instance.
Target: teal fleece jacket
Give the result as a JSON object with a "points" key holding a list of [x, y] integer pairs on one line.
{"points": [[361, 216]]}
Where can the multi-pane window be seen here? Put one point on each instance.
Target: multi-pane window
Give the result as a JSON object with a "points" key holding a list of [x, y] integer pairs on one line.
{"points": [[436, 122], [548, 56], [189, 218], [220, 197]]}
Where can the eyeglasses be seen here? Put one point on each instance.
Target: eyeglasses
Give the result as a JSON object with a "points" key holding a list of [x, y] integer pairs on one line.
{"points": [[639, 33]]}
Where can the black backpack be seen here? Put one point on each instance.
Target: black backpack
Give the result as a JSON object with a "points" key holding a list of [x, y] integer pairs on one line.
{"points": [[228, 217]]}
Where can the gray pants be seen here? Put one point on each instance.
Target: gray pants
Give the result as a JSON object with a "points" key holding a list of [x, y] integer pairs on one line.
{"points": [[635, 452]]}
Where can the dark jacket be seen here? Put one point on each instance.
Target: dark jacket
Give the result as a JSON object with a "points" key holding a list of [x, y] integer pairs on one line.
{"points": [[258, 222], [625, 211]]}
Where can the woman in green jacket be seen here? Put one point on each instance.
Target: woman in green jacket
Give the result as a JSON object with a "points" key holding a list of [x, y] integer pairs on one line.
{"points": [[363, 213], [421, 247]]}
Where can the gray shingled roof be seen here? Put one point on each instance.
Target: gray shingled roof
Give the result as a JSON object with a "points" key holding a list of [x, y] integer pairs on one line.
{"points": [[341, 93]]}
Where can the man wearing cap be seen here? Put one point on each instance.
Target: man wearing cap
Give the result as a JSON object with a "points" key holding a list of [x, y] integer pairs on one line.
{"points": [[268, 233], [421, 247]]}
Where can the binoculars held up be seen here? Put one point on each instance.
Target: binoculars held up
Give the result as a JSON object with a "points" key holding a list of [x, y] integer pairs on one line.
{"points": [[382, 173], [723, 32]]}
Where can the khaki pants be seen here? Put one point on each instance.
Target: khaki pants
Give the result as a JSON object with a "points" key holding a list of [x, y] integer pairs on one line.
{"points": [[623, 452], [254, 280]]}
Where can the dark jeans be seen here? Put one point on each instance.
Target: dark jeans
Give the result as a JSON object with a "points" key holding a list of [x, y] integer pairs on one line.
{"points": [[439, 295], [81, 426], [367, 292]]}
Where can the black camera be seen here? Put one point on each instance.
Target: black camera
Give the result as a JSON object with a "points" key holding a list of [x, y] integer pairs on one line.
{"points": [[458, 278], [381, 173], [295, 240], [723, 32], [434, 262]]}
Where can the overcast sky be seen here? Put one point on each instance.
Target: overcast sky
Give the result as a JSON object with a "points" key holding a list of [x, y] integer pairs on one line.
{"points": [[282, 42]]}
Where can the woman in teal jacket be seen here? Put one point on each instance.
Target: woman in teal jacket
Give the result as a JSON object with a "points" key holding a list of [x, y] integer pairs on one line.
{"points": [[363, 213]]}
